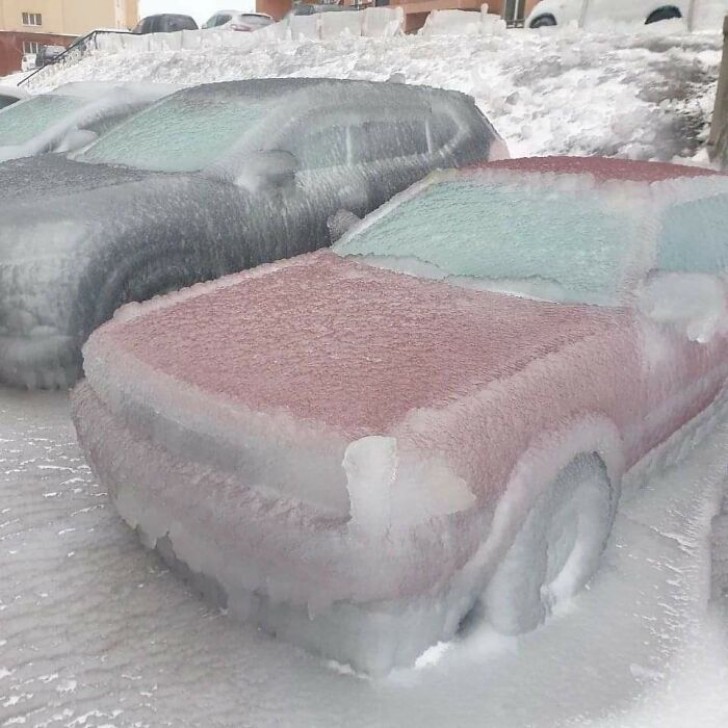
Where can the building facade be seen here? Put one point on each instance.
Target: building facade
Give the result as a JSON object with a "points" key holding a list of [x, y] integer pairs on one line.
{"points": [[67, 17], [26, 25]]}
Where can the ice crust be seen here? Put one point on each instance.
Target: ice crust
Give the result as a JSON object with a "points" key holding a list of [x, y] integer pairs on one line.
{"points": [[212, 180], [370, 443], [45, 123]]}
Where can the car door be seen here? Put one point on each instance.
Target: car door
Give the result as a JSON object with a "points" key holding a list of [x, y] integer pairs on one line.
{"points": [[329, 181], [684, 315]]}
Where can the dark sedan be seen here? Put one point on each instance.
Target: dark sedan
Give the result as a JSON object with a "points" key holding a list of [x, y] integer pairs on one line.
{"points": [[10, 95], [212, 180]]}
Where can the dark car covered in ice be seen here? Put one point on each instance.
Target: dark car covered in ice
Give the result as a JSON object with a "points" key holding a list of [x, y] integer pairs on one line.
{"points": [[211, 180]]}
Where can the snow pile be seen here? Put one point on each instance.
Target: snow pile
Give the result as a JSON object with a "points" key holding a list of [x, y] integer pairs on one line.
{"points": [[640, 94], [462, 22]]}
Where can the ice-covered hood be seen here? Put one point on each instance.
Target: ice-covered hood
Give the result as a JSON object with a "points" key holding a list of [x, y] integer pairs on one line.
{"points": [[350, 346], [53, 176]]}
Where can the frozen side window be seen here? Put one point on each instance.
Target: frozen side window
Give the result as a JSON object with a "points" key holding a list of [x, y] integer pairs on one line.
{"points": [[321, 148], [693, 236], [372, 141]]}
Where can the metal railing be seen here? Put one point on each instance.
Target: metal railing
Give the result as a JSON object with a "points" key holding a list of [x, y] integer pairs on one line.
{"points": [[73, 53]]}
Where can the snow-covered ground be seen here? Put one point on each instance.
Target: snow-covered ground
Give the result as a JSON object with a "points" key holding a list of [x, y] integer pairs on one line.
{"points": [[95, 632], [639, 92]]}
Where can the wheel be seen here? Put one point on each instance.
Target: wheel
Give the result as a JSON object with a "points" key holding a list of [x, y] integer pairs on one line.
{"points": [[543, 21], [557, 549], [667, 13]]}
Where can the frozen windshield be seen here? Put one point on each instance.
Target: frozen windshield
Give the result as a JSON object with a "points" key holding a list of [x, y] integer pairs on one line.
{"points": [[533, 241], [184, 133], [20, 122]]}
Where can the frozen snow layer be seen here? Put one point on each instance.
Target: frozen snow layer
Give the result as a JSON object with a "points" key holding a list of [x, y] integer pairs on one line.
{"points": [[94, 631], [642, 93], [377, 450]]}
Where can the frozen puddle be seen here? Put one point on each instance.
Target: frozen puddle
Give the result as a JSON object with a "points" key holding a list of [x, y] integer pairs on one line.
{"points": [[95, 632]]}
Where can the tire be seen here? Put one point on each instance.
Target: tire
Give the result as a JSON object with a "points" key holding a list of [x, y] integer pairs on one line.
{"points": [[557, 549], [666, 13], [543, 21]]}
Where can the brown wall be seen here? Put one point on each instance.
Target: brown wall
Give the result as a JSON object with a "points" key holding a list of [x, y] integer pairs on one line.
{"points": [[275, 8], [11, 47]]}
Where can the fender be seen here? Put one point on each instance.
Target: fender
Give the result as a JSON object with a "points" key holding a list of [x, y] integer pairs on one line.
{"points": [[536, 469]]}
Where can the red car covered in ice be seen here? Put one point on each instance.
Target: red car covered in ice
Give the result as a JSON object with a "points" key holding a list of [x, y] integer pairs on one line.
{"points": [[358, 447]]}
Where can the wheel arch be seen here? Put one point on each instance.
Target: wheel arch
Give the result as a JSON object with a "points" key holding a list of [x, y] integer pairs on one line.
{"points": [[541, 463]]}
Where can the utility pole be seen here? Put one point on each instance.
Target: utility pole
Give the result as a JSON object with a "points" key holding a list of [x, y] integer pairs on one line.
{"points": [[718, 139]]}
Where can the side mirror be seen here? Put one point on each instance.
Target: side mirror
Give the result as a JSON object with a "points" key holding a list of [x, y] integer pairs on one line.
{"points": [[264, 170], [692, 303], [340, 223], [76, 139]]}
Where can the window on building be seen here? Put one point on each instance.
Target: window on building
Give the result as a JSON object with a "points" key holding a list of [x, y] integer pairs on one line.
{"points": [[32, 19], [31, 46]]}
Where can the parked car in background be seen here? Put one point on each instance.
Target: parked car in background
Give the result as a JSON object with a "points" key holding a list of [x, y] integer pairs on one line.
{"points": [[361, 448], [70, 117], [48, 54], [212, 180], [561, 12], [10, 94], [28, 62], [165, 23], [235, 20]]}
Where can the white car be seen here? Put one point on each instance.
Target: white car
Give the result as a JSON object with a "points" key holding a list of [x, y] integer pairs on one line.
{"points": [[561, 12], [235, 20], [28, 62]]}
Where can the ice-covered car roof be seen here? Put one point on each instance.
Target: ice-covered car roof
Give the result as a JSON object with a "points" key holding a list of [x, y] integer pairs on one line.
{"points": [[240, 117], [45, 122]]}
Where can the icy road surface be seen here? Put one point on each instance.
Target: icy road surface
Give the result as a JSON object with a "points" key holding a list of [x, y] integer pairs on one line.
{"points": [[94, 631]]}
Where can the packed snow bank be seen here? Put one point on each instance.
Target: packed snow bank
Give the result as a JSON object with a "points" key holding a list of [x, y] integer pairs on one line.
{"points": [[638, 93]]}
